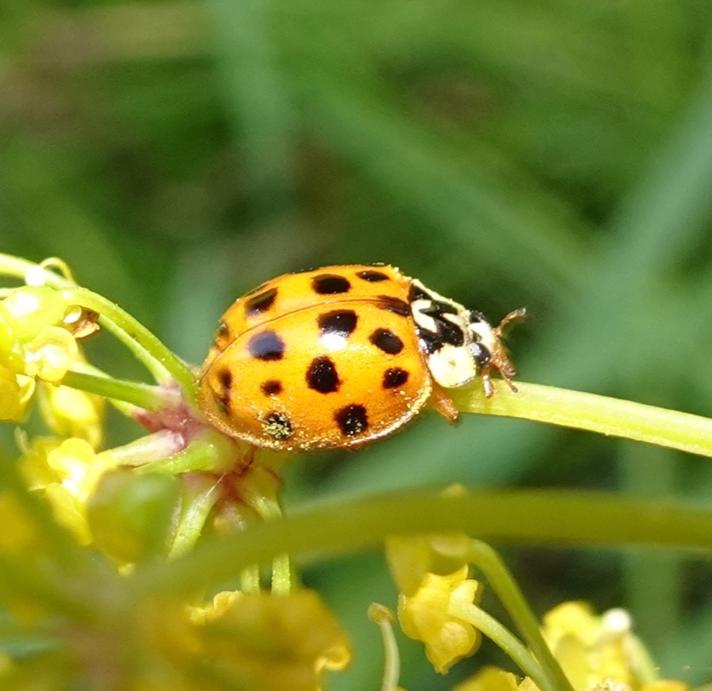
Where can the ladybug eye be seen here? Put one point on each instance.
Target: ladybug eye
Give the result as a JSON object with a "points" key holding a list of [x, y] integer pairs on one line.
{"points": [[480, 354]]}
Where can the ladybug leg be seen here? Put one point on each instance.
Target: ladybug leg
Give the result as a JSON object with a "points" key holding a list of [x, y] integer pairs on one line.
{"points": [[507, 376], [487, 384], [443, 404]]}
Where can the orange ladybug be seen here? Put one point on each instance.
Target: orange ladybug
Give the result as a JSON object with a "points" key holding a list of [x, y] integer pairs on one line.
{"points": [[343, 355]]}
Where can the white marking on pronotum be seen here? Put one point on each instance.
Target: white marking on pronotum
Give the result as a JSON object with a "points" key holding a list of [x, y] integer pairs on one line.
{"points": [[451, 366]]}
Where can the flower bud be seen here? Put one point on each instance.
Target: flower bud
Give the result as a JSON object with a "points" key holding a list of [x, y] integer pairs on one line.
{"points": [[131, 516]]}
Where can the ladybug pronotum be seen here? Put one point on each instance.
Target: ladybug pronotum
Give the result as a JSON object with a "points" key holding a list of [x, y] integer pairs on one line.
{"points": [[341, 356]]}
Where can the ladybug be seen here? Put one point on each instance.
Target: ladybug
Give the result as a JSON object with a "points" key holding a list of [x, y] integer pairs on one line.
{"points": [[343, 355]]}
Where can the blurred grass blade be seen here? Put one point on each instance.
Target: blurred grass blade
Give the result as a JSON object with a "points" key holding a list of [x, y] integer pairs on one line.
{"points": [[257, 95]]}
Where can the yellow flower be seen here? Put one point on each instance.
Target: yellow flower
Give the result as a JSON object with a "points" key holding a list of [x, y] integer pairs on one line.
{"points": [[33, 462], [50, 354], [72, 413], [597, 653], [67, 472], [664, 685], [428, 615], [10, 354], [259, 642], [594, 650], [29, 309], [220, 605], [33, 345], [410, 558], [493, 679], [11, 407]]}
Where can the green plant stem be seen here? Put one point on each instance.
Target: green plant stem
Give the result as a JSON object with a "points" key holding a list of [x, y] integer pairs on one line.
{"points": [[509, 643], [383, 617], [127, 409], [528, 516], [268, 508], [197, 509], [18, 268], [136, 333], [139, 351], [208, 452], [147, 449], [487, 560], [250, 579], [586, 411], [141, 395]]}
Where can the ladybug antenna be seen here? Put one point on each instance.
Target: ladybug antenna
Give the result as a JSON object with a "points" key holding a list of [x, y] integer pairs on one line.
{"points": [[508, 320]]}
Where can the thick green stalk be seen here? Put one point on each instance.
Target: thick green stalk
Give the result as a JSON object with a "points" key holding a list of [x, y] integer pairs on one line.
{"points": [[142, 395], [586, 411], [527, 516]]}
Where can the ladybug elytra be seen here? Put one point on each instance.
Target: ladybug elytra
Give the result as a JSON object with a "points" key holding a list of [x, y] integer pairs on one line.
{"points": [[342, 355]]}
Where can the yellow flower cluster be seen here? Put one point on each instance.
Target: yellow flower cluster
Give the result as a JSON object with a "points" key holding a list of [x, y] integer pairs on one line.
{"points": [[438, 605], [257, 641], [601, 652], [37, 346], [597, 653], [31, 345], [67, 471]]}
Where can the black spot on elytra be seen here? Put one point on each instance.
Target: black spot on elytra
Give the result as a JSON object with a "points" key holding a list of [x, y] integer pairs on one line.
{"points": [[266, 345], [395, 305], [352, 419], [476, 317], [338, 322], [222, 397], [372, 276], [329, 284], [387, 341], [394, 377], [271, 387], [222, 400], [222, 336], [225, 379], [260, 303], [322, 375], [278, 426]]}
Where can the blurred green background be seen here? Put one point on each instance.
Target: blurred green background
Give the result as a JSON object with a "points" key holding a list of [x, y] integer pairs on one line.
{"points": [[556, 155]]}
